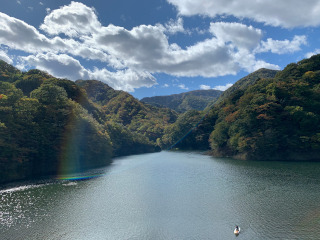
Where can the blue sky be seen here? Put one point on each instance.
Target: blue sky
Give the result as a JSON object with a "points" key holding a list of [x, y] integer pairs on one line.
{"points": [[159, 47]]}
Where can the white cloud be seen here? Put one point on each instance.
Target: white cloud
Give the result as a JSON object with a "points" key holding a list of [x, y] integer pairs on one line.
{"points": [[248, 61], [126, 80], [205, 87], [175, 26], [61, 65], [64, 66], [19, 2], [17, 34], [182, 86], [132, 54], [282, 47], [147, 48], [41, 3], [223, 88], [73, 20], [262, 64], [11, 30], [271, 12], [4, 56], [240, 35], [310, 54], [165, 85]]}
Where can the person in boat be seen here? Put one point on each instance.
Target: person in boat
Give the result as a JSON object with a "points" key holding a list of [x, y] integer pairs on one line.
{"points": [[237, 228]]}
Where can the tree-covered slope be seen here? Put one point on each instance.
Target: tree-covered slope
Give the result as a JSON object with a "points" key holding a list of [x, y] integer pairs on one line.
{"points": [[192, 129], [245, 82], [274, 119], [122, 108], [49, 126], [193, 100]]}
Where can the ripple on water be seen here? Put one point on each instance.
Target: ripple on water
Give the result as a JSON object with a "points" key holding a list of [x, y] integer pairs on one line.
{"points": [[170, 195]]}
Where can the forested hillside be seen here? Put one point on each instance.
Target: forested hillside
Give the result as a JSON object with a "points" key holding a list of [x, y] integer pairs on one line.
{"points": [[193, 100], [49, 126], [56, 126], [193, 128], [245, 82], [274, 119], [122, 108], [271, 119]]}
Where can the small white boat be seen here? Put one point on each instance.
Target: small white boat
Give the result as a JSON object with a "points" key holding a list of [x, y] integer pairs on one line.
{"points": [[236, 231]]}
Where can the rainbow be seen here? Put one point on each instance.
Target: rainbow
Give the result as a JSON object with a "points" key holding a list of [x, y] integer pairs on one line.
{"points": [[69, 158], [77, 178], [70, 166]]}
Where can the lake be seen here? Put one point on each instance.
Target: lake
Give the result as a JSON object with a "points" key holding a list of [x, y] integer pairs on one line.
{"points": [[169, 195]]}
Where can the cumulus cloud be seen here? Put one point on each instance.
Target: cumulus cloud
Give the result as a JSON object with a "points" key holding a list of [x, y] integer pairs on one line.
{"points": [[141, 45], [73, 20], [223, 88], [131, 56], [147, 48], [248, 61], [205, 87], [182, 86], [4, 56], [126, 80], [61, 65], [175, 26], [240, 35], [271, 12], [310, 54], [18, 35], [64, 66], [282, 47], [11, 30]]}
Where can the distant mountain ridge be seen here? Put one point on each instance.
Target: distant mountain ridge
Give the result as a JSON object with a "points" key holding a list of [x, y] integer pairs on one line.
{"points": [[193, 100]]}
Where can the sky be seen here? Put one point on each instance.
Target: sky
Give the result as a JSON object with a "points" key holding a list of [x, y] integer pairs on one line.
{"points": [[159, 47]]}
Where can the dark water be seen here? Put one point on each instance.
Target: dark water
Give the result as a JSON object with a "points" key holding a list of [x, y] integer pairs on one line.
{"points": [[170, 195]]}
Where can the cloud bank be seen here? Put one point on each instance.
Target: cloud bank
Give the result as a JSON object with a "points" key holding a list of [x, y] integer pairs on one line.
{"points": [[73, 34], [279, 13]]}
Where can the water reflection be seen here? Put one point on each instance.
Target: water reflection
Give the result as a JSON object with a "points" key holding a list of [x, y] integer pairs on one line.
{"points": [[169, 195]]}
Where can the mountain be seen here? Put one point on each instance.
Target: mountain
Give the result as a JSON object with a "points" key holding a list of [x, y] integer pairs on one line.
{"points": [[193, 100], [274, 119], [271, 119], [122, 108], [245, 82], [49, 126], [192, 129]]}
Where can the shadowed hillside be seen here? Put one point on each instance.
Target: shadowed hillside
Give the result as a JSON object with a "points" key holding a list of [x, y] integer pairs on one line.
{"points": [[49, 126]]}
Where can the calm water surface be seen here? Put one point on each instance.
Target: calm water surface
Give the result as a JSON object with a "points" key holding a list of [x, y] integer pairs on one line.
{"points": [[170, 195]]}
